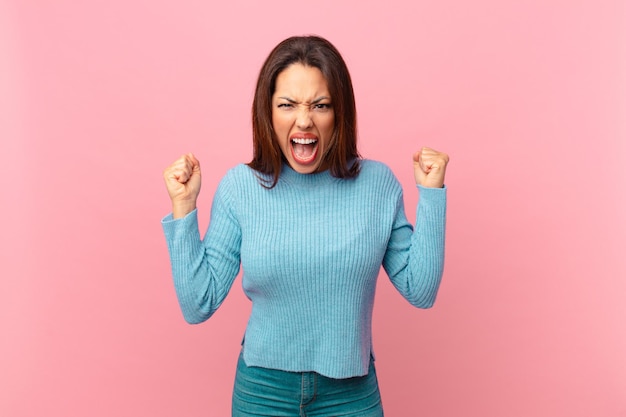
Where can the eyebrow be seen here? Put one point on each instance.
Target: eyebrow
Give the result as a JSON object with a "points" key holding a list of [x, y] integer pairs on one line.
{"points": [[317, 100]]}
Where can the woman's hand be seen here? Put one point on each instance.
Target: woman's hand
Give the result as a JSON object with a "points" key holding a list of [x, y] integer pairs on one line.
{"points": [[182, 180], [429, 167]]}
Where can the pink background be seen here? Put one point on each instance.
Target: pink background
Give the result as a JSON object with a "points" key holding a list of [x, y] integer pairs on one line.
{"points": [[528, 98]]}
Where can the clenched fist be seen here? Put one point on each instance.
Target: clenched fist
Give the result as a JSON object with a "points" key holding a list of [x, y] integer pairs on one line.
{"points": [[429, 167], [183, 180]]}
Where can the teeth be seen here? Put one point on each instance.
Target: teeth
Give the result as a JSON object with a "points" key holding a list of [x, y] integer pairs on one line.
{"points": [[303, 141]]}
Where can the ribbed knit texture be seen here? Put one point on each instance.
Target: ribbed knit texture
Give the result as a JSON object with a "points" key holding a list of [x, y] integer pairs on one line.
{"points": [[311, 249]]}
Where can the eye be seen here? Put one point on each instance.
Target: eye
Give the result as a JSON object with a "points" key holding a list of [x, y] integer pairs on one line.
{"points": [[285, 106], [322, 106]]}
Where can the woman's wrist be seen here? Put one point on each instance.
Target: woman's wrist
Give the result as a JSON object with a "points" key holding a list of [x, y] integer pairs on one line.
{"points": [[181, 209]]}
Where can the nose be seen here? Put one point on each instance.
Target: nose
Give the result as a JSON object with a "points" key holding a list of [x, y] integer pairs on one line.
{"points": [[303, 118]]}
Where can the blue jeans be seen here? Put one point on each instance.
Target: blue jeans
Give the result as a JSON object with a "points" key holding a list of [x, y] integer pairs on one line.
{"points": [[275, 393]]}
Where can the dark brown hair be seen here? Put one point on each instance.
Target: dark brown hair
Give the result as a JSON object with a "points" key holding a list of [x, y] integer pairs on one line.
{"points": [[313, 51]]}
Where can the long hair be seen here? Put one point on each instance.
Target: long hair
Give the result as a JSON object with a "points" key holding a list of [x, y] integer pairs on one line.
{"points": [[342, 156]]}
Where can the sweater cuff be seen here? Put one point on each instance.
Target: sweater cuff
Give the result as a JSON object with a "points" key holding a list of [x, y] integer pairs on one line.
{"points": [[180, 229], [430, 192]]}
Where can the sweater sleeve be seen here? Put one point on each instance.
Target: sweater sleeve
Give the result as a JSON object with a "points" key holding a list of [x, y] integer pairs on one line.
{"points": [[414, 258], [204, 269]]}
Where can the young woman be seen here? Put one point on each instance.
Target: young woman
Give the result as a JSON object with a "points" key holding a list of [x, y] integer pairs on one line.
{"points": [[310, 223]]}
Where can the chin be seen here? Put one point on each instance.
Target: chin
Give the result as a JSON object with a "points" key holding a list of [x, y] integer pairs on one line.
{"points": [[305, 169]]}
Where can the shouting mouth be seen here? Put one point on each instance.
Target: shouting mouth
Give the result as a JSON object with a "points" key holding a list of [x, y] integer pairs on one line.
{"points": [[304, 149]]}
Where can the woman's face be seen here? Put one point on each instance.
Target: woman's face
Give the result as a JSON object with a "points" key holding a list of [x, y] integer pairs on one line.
{"points": [[303, 117]]}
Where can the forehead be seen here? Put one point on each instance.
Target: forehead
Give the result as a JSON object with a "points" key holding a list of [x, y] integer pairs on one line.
{"points": [[301, 80]]}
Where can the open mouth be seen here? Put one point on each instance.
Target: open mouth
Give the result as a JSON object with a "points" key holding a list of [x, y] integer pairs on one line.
{"points": [[304, 150]]}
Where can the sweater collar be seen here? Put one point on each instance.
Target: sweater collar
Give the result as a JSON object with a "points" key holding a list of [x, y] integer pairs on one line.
{"points": [[290, 175]]}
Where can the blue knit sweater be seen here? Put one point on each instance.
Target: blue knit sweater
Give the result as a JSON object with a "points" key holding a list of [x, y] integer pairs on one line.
{"points": [[311, 250]]}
